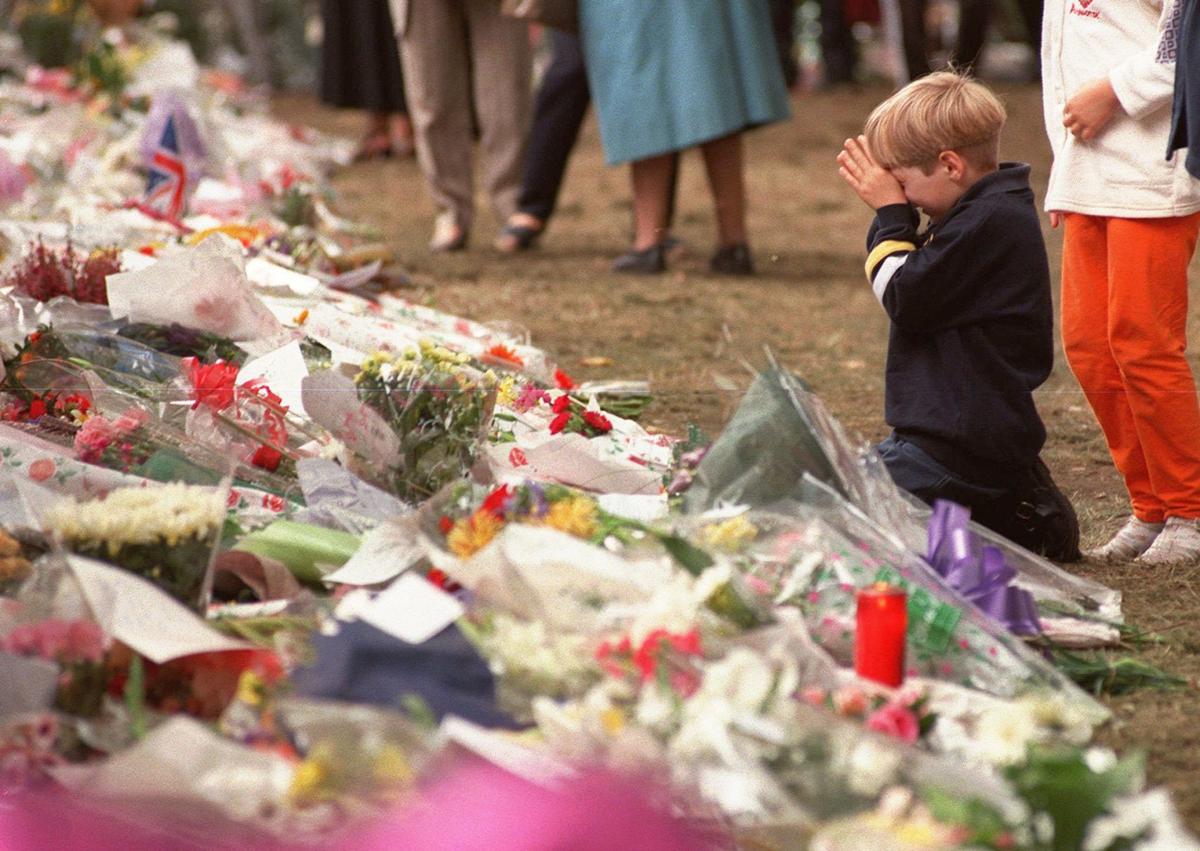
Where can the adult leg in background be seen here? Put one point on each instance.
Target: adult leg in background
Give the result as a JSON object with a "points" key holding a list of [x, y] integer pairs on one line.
{"points": [[501, 65], [725, 165], [433, 54], [558, 112]]}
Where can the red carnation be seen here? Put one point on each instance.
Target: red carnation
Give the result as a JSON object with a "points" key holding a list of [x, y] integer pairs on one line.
{"points": [[597, 421], [212, 384], [561, 404], [563, 381], [560, 422]]}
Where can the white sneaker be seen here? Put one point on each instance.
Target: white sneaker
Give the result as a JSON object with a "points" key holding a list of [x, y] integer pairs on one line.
{"points": [[1179, 543], [1133, 539]]}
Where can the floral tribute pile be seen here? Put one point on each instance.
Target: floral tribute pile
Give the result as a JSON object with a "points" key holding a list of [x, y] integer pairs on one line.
{"points": [[328, 544]]}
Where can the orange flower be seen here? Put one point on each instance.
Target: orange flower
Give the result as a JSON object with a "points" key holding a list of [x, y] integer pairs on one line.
{"points": [[503, 355]]}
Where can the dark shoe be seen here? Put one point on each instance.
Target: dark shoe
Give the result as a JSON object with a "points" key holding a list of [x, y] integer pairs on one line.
{"points": [[649, 262], [514, 238], [732, 260], [1044, 520]]}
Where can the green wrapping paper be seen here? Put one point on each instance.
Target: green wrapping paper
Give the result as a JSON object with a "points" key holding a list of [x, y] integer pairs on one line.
{"points": [[308, 551]]}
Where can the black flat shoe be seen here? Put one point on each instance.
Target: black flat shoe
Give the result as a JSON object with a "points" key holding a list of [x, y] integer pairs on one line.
{"points": [[651, 261], [732, 260], [514, 238]]}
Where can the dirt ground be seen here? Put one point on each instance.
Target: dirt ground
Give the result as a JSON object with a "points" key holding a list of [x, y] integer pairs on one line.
{"points": [[695, 336]]}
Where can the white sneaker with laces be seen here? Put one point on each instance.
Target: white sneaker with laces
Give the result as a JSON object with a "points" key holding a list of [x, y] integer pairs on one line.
{"points": [[1133, 539], [1177, 544]]}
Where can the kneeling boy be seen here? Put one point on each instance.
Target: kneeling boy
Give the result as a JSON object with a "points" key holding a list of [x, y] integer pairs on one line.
{"points": [[969, 302]]}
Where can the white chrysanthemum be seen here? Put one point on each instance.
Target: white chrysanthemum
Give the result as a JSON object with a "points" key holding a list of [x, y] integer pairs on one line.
{"points": [[1004, 732], [870, 766], [526, 651], [137, 516]]}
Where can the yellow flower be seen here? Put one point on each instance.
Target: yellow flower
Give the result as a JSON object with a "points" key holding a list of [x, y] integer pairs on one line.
{"points": [[307, 781], [612, 720], [251, 689], [575, 515], [392, 767], [730, 534], [472, 534], [506, 391]]}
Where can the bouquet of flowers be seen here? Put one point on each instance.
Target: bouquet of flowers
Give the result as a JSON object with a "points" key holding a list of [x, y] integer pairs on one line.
{"points": [[167, 535], [438, 407], [78, 647], [44, 273], [465, 519]]}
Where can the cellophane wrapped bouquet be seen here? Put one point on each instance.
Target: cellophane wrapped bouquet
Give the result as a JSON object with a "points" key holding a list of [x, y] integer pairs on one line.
{"points": [[439, 408]]}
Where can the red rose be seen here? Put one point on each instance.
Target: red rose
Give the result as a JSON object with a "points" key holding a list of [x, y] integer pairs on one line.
{"points": [[597, 421], [560, 422], [561, 404], [37, 408]]}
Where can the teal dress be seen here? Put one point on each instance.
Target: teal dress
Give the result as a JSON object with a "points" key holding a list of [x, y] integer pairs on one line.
{"points": [[672, 74]]}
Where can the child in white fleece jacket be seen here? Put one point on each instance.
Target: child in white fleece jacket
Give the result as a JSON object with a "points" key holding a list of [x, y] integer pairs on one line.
{"points": [[1131, 223]]}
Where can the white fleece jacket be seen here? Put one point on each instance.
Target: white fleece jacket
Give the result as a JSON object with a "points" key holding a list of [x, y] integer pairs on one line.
{"points": [[1124, 170]]}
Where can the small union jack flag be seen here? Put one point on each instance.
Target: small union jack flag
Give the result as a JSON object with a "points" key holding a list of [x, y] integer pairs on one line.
{"points": [[167, 184]]}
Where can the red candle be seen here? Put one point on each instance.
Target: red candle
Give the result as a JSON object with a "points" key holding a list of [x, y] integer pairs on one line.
{"points": [[880, 632]]}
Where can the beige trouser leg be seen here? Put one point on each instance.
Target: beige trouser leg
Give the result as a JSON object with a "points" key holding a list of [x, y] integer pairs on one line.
{"points": [[433, 52], [500, 57]]}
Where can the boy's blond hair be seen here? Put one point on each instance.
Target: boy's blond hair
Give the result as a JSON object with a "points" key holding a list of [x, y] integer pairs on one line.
{"points": [[943, 111]]}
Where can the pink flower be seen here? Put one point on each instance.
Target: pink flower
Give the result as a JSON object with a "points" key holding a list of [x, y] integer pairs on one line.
{"points": [[85, 642], [529, 397], [813, 696], [21, 641], [131, 420], [895, 721], [53, 636], [850, 700], [93, 437]]}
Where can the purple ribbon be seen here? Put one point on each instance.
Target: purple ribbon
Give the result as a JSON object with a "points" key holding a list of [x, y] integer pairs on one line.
{"points": [[978, 572]]}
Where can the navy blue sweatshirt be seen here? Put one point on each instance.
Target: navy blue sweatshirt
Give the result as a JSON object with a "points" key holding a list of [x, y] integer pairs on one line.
{"points": [[972, 326]]}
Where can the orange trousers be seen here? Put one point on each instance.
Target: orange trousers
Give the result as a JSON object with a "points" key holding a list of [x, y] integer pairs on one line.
{"points": [[1124, 323]]}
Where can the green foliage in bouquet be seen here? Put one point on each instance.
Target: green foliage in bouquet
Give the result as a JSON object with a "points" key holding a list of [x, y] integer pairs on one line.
{"points": [[49, 30], [177, 340], [437, 405], [101, 70], [1065, 789]]}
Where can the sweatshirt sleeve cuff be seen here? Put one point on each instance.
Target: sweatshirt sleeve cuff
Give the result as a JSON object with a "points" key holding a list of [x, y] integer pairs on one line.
{"points": [[897, 216], [1142, 87]]}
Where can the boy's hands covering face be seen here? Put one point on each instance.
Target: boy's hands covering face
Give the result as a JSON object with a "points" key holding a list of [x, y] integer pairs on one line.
{"points": [[873, 183]]}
